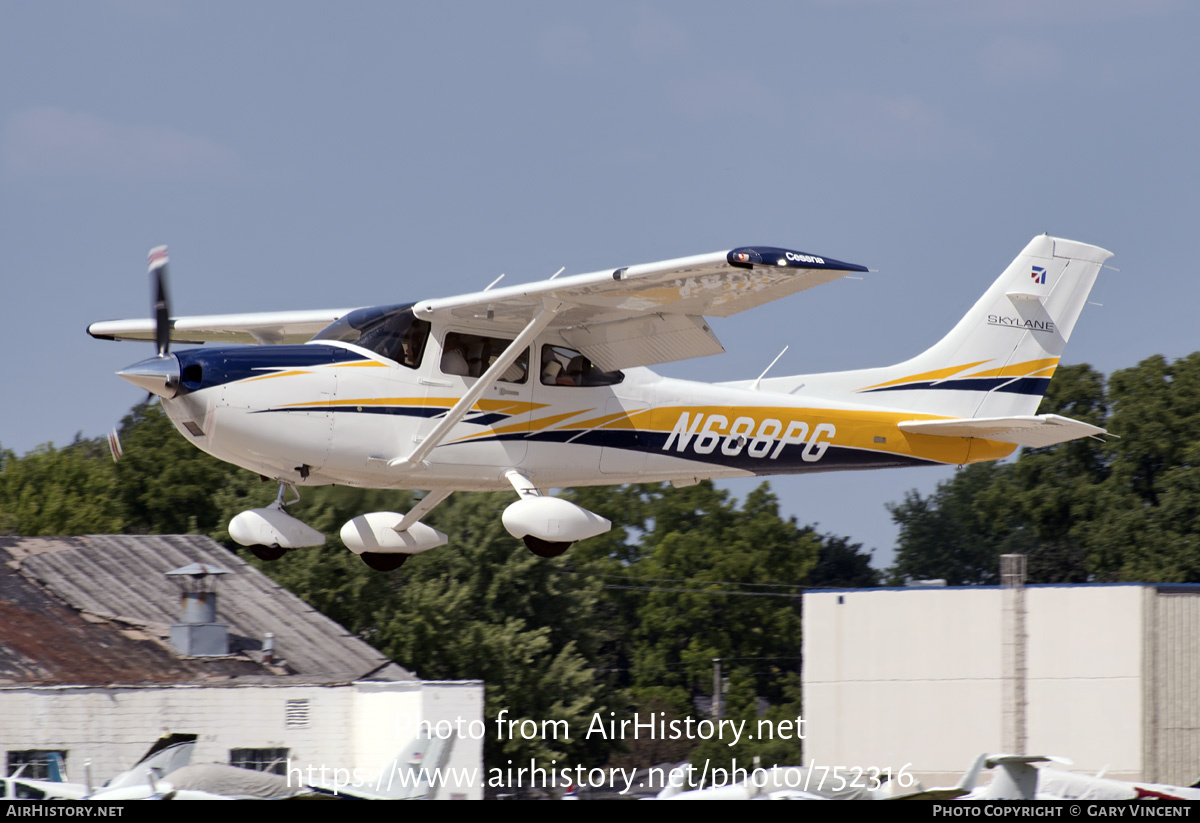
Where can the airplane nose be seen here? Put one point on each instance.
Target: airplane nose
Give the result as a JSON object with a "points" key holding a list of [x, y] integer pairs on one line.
{"points": [[157, 375]]}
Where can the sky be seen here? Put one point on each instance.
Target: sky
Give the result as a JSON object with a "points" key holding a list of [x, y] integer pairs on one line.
{"points": [[308, 155]]}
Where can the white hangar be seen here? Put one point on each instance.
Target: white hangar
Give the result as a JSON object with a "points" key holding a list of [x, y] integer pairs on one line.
{"points": [[1107, 676]]}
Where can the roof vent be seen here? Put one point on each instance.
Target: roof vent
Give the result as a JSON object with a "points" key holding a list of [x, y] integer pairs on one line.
{"points": [[198, 634]]}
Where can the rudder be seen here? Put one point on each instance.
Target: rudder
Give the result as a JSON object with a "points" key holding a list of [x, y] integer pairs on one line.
{"points": [[998, 359]]}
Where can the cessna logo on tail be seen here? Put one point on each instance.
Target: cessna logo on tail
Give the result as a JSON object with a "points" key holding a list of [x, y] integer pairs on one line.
{"points": [[765, 440]]}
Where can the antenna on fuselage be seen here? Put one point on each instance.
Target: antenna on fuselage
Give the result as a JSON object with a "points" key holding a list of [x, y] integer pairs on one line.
{"points": [[754, 385]]}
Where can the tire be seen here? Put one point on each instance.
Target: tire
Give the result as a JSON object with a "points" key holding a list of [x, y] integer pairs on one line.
{"points": [[382, 562], [544, 548], [267, 553]]}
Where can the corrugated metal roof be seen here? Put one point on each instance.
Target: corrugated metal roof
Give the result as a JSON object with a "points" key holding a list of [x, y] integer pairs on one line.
{"points": [[122, 578]]}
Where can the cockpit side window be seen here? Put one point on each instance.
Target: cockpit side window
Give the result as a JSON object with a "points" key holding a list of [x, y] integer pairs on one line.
{"points": [[566, 367], [393, 332], [470, 355]]}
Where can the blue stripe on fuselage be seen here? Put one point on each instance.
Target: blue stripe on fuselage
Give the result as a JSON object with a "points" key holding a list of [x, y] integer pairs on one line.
{"points": [[1021, 385], [205, 368]]}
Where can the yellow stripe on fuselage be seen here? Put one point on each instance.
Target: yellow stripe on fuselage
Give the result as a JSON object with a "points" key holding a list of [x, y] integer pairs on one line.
{"points": [[540, 424], [855, 429], [500, 406], [1021, 369], [607, 420], [936, 374], [276, 374], [294, 372], [1029, 368]]}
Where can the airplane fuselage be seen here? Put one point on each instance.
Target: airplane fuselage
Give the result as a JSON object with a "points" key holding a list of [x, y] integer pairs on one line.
{"points": [[543, 386], [332, 412]]}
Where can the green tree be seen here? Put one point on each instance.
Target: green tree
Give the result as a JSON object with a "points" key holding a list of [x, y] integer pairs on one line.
{"points": [[715, 581], [59, 491], [842, 564], [1145, 525], [955, 534]]}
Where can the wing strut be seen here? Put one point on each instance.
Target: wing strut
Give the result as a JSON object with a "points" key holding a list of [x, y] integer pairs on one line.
{"points": [[550, 310], [424, 507]]}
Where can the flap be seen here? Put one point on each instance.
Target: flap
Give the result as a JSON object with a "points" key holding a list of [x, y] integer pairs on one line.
{"points": [[644, 341]]}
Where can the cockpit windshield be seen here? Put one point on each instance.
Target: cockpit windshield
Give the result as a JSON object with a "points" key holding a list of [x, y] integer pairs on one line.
{"points": [[393, 332]]}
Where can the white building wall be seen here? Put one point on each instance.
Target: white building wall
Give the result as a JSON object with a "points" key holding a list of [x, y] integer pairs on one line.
{"points": [[390, 715], [349, 726], [384, 721], [1084, 685], [915, 676], [113, 727], [901, 677], [1172, 665], [451, 702]]}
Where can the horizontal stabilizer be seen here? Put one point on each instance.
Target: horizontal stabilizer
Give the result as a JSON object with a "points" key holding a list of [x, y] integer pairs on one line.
{"points": [[1025, 430]]}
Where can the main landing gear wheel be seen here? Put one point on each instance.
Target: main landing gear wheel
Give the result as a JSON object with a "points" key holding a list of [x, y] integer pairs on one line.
{"points": [[267, 552], [383, 562], [544, 548]]}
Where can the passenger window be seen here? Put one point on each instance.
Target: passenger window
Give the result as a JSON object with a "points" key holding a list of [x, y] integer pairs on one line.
{"points": [[470, 355], [566, 367]]}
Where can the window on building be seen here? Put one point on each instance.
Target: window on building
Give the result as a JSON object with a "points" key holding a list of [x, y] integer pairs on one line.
{"points": [[260, 760], [39, 764]]}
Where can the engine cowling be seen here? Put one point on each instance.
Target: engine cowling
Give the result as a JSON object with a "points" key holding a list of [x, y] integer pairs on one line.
{"points": [[552, 519]]}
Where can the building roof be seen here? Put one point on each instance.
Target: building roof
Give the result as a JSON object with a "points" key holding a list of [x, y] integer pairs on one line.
{"points": [[97, 610], [1162, 588]]}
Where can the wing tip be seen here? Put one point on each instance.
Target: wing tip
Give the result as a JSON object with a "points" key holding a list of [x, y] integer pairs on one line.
{"points": [[747, 257]]}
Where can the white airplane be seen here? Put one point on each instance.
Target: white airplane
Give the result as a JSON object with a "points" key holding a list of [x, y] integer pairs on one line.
{"points": [[542, 386], [1018, 779]]}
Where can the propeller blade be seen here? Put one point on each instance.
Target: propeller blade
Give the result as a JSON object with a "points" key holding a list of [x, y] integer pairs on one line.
{"points": [[114, 446], [162, 306], [159, 375]]}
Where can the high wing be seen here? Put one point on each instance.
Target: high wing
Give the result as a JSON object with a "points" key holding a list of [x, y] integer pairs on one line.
{"points": [[260, 327], [645, 314], [632, 316]]}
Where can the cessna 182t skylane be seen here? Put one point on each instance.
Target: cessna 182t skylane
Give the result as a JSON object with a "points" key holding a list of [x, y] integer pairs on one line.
{"points": [[540, 386]]}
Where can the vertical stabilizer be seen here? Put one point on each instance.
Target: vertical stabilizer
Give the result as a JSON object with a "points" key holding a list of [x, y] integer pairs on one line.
{"points": [[998, 360]]}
